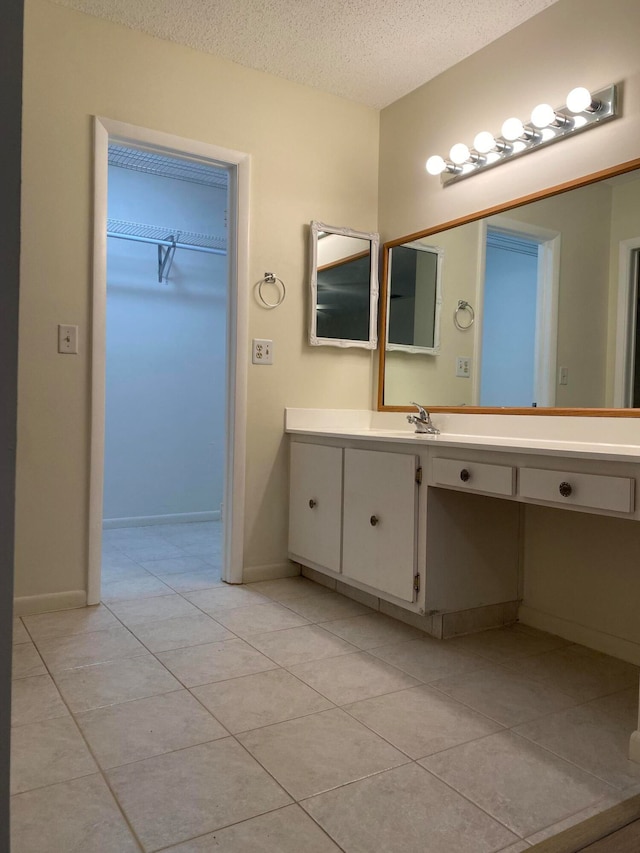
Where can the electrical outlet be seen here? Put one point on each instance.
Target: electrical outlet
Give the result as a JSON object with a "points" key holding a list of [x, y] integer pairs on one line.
{"points": [[262, 352], [563, 376], [68, 339], [463, 367]]}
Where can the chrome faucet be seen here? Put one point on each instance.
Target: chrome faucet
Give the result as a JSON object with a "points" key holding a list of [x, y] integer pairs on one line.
{"points": [[423, 421]]}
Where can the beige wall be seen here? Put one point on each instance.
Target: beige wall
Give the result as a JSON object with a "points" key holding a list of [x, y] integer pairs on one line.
{"points": [[314, 156], [574, 42]]}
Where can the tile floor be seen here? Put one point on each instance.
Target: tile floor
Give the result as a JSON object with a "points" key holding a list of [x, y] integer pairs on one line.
{"points": [[190, 716]]}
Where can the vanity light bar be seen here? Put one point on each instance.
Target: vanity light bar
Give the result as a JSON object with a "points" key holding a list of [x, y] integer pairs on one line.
{"points": [[583, 111]]}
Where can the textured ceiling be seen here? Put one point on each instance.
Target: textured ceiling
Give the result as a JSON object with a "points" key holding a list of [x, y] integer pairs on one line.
{"points": [[371, 51]]}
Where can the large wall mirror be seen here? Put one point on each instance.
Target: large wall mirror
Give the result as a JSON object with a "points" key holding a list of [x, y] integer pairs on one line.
{"points": [[344, 287], [549, 287]]}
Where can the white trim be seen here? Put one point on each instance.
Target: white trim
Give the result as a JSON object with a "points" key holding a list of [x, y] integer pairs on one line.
{"points": [[593, 638], [173, 518], [625, 323], [634, 747], [237, 346], [28, 605], [374, 240]]}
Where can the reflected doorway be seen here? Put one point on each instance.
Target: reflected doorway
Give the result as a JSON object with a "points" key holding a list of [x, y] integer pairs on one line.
{"points": [[519, 298]]}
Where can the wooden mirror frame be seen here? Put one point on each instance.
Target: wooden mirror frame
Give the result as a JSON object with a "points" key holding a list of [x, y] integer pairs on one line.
{"points": [[593, 178]]}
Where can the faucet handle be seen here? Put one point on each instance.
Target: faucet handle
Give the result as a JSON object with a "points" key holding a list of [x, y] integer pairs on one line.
{"points": [[421, 411]]}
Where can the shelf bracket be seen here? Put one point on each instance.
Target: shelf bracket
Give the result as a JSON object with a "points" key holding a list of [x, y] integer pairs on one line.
{"points": [[165, 259]]}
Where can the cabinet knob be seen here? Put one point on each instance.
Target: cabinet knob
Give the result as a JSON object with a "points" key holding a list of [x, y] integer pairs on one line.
{"points": [[565, 489], [465, 476], [312, 503], [373, 520]]}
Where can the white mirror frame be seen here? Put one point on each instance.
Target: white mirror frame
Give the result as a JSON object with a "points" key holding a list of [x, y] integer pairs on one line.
{"points": [[374, 243], [435, 349]]}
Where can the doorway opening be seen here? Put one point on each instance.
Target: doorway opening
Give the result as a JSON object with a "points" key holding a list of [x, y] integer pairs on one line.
{"points": [[169, 359], [516, 348], [626, 391], [166, 347]]}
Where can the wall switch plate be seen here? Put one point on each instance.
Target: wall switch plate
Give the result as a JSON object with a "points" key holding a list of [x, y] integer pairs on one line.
{"points": [[563, 376], [463, 367], [262, 351], [68, 339]]}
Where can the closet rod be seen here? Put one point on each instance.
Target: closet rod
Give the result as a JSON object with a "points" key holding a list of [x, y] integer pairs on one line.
{"points": [[168, 243]]}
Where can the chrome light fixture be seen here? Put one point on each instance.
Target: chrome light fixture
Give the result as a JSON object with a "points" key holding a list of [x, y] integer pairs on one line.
{"points": [[586, 110]]}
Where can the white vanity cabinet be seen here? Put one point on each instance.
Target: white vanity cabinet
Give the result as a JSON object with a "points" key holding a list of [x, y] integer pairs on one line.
{"points": [[379, 521], [315, 505]]}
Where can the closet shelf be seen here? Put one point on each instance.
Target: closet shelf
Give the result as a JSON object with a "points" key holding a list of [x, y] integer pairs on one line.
{"points": [[167, 240], [165, 236]]}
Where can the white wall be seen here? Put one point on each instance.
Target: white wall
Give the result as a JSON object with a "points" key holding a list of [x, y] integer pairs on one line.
{"points": [[313, 156], [166, 365]]}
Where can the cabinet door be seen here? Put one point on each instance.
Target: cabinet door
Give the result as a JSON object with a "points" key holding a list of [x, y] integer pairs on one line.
{"points": [[315, 504], [379, 533]]}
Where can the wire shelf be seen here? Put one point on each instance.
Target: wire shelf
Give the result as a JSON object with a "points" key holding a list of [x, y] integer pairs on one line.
{"points": [[167, 167], [164, 235]]}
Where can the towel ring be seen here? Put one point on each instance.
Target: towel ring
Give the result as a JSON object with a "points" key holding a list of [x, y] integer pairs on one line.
{"points": [[463, 305], [270, 278]]}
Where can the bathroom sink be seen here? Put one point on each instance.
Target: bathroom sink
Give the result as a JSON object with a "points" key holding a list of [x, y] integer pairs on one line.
{"points": [[401, 433]]}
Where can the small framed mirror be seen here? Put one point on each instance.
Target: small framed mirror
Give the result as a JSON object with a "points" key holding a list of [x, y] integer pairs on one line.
{"points": [[414, 298], [344, 287]]}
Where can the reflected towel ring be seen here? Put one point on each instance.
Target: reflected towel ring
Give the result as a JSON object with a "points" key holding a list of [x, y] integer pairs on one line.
{"points": [[463, 306], [270, 278]]}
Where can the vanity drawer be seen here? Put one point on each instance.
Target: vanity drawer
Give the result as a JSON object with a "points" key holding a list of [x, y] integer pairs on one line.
{"points": [[597, 491], [474, 476]]}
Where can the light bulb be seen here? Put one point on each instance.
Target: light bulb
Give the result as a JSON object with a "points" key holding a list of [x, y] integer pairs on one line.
{"points": [[459, 153], [512, 129], [484, 142], [543, 115], [579, 100], [436, 165]]}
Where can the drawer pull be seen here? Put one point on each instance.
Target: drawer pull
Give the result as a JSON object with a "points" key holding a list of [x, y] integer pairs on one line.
{"points": [[465, 476], [565, 489], [373, 520], [312, 503]]}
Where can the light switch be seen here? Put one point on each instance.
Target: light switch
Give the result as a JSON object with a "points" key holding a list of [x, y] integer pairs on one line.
{"points": [[68, 339]]}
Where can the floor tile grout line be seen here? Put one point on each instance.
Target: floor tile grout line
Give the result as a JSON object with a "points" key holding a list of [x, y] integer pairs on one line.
{"points": [[247, 820], [568, 761], [97, 763]]}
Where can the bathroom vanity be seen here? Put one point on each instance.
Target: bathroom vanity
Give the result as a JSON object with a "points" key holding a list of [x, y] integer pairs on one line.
{"points": [[429, 527]]}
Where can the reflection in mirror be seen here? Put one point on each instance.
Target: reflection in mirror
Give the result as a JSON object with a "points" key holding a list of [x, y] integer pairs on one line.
{"points": [[414, 298], [344, 287], [554, 287]]}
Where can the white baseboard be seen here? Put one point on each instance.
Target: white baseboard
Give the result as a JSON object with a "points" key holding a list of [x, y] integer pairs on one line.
{"points": [[591, 637], [634, 747], [174, 518], [269, 572], [28, 605]]}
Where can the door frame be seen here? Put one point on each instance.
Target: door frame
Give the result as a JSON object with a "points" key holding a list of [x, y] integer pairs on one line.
{"points": [[238, 165], [625, 323], [548, 291]]}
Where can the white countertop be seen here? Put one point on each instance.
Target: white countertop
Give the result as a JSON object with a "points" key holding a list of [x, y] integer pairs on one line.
{"points": [[611, 439]]}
